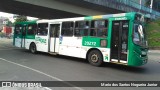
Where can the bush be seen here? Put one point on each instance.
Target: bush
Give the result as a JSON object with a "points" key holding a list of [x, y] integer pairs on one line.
{"points": [[2, 35], [153, 33]]}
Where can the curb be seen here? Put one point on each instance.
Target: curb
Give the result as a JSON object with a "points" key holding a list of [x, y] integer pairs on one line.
{"points": [[154, 51]]}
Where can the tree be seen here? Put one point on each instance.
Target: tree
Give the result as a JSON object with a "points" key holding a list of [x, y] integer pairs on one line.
{"points": [[21, 18], [8, 23]]}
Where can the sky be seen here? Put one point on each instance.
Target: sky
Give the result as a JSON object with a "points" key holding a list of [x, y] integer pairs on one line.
{"points": [[10, 16]]}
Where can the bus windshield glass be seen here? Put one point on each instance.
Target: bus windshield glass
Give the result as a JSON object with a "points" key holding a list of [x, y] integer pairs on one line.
{"points": [[139, 35]]}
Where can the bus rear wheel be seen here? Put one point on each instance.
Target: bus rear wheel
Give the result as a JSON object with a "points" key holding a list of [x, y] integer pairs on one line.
{"points": [[33, 48], [95, 58]]}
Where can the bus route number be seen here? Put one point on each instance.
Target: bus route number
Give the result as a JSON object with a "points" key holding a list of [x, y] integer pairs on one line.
{"points": [[88, 43]]}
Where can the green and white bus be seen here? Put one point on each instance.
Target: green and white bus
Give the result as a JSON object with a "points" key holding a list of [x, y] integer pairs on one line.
{"points": [[114, 38]]}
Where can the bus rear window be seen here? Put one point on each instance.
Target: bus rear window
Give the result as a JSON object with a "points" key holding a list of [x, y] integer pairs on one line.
{"points": [[31, 29], [18, 29]]}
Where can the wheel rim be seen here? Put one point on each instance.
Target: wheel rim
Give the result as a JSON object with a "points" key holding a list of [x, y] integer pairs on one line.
{"points": [[33, 48], [94, 58]]}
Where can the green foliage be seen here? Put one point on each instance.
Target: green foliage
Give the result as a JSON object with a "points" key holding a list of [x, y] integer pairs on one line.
{"points": [[10, 24], [21, 19], [153, 31]]}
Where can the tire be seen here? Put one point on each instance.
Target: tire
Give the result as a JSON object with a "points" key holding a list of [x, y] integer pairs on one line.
{"points": [[95, 58], [33, 48]]}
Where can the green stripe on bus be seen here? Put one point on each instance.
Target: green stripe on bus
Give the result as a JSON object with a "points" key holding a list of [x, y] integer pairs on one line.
{"points": [[30, 37], [92, 41]]}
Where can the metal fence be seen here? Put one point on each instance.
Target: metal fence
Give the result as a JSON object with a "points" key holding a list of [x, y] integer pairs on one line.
{"points": [[127, 6]]}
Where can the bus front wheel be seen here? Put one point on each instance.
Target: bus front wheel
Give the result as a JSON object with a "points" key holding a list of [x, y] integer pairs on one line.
{"points": [[95, 58], [33, 48]]}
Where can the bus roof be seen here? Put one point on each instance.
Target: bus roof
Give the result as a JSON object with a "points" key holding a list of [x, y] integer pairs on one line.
{"points": [[109, 16], [132, 14], [27, 22]]}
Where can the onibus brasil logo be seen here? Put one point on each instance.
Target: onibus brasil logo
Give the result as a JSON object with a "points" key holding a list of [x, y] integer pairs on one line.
{"points": [[21, 84]]}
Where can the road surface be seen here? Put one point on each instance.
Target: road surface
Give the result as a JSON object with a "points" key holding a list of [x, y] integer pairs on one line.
{"points": [[20, 65]]}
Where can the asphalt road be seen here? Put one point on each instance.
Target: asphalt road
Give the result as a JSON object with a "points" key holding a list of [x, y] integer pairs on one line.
{"points": [[20, 65]]}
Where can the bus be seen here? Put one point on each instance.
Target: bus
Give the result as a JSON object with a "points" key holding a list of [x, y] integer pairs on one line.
{"points": [[113, 38]]}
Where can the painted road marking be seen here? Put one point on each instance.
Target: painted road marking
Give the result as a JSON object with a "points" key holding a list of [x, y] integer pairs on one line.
{"points": [[40, 73]]}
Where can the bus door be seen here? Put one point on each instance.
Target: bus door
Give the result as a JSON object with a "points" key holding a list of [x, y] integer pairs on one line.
{"points": [[54, 38], [23, 36], [119, 41], [18, 35]]}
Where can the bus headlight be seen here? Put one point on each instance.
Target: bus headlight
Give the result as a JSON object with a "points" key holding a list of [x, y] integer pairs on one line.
{"points": [[144, 53], [103, 43]]}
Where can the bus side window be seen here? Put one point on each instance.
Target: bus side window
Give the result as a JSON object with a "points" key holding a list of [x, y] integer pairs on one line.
{"points": [[93, 31], [42, 29], [99, 28], [81, 28], [31, 29], [67, 29]]}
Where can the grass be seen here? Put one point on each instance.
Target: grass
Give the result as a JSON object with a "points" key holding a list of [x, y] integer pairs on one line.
{"points": [[153, 33]]}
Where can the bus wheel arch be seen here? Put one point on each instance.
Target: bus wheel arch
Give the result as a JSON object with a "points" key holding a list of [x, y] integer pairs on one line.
{"points": [[94, 57], [33, 48]]}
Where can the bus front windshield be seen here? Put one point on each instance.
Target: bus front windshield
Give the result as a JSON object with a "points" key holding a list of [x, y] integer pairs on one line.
{"points": [[139, 35]]}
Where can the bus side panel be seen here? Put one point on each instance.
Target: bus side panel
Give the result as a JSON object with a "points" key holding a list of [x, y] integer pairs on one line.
{"points": [[89, 43], [106, 54], [41, 43], [70, 46], [28, 40], [18, 42], [84, 51], [28, 43]]}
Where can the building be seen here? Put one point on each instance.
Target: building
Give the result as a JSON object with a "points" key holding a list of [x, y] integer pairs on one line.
{"points": [[156, 5], [2, 19], [6, 27], [7, 30], [147, 3], [142, 2]]}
